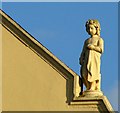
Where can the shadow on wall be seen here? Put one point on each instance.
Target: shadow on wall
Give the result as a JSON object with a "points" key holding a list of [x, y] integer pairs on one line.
{"points": [[69, 90]]}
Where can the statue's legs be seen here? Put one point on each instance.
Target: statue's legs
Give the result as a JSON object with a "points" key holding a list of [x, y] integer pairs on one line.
{"points": [[98, 84], [84, 74], [92, 85], [86, 82]]}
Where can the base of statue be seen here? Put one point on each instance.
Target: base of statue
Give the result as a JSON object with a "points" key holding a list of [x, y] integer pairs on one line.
{"points": [[92, 93]]}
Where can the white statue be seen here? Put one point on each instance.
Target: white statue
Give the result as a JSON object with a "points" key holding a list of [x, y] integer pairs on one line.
{"points": [[90, 57]]}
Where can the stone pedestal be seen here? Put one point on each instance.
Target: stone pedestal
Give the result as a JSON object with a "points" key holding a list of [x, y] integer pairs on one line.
{"points": [[92, 93], [97, 103]]}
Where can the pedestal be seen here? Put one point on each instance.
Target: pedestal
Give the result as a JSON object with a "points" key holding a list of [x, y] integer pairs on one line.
{"points": [[92, 93], [88, 102]]}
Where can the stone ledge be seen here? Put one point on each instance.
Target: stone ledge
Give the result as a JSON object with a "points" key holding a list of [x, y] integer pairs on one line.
{"points": [[82, 98], [100, 101]]}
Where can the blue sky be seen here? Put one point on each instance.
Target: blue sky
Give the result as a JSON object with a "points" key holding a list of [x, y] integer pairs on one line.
{"points": [[60, 27]]}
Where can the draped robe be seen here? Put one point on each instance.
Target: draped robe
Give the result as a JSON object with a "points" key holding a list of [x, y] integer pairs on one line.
{"points": [[90, 60]]}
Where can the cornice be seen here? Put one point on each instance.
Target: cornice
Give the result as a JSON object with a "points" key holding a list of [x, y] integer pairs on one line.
{"points": [[29, 41]]}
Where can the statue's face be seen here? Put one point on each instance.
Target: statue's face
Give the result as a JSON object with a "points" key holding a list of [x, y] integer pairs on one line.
{"points": [[92, 30]]}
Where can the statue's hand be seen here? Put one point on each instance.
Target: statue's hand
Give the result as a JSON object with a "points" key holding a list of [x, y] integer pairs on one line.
{"points": [[90, 46]]}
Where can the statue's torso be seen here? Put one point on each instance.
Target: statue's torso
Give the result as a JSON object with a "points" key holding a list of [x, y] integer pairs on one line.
{"points": [[93, 41]]}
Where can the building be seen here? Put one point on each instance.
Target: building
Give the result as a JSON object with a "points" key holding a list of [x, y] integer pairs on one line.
{"points": [[33, 79]]}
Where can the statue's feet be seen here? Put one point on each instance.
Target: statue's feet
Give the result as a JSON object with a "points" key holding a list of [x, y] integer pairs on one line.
{"points": [[91, 89]]}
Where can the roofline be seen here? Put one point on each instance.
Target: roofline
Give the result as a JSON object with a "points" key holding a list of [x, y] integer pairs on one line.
{"points": [[31, 42]]}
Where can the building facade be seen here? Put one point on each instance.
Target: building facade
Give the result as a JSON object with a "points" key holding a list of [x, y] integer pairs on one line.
{"points": [[33, 79]]}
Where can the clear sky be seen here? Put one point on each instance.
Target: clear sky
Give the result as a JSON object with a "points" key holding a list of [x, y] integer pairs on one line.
{"points": [[60, 27]]}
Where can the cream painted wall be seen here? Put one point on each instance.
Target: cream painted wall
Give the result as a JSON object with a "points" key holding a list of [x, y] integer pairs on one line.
{"points": [[29, 83], [0, 68]]}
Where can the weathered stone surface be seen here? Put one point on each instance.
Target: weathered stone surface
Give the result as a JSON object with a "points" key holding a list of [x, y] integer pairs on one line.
{"points": [[92, 93], [90, 56], [99, 103]]}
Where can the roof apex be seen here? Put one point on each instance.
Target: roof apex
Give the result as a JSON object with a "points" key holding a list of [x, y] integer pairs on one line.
{"points": [[32, 43]]}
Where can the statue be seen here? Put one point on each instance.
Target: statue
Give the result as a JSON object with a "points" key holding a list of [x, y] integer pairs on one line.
{"points": [[90, 57]]}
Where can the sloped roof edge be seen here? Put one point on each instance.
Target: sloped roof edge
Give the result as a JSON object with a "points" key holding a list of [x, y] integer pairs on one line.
{"points": [[31, 42]]}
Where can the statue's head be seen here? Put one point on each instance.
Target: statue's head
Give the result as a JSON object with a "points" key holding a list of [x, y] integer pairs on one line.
{"points": [[94, 23]]}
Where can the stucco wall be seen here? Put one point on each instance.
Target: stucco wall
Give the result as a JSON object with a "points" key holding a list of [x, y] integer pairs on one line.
{"points": [[0, 68], [29, 83]]}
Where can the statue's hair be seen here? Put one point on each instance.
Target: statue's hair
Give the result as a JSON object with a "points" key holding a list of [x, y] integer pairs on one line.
{"points": [[96, 25]]}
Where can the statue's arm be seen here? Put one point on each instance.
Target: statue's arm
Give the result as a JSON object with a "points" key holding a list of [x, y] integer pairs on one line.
{"points": [[99, 48], [81, 59]]}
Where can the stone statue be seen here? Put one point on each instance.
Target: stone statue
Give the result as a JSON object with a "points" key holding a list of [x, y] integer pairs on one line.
{"points": [[90, 57]]}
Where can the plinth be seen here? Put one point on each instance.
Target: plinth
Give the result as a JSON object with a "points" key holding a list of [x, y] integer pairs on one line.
{"points": [[88, 102], [92, 93]]}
